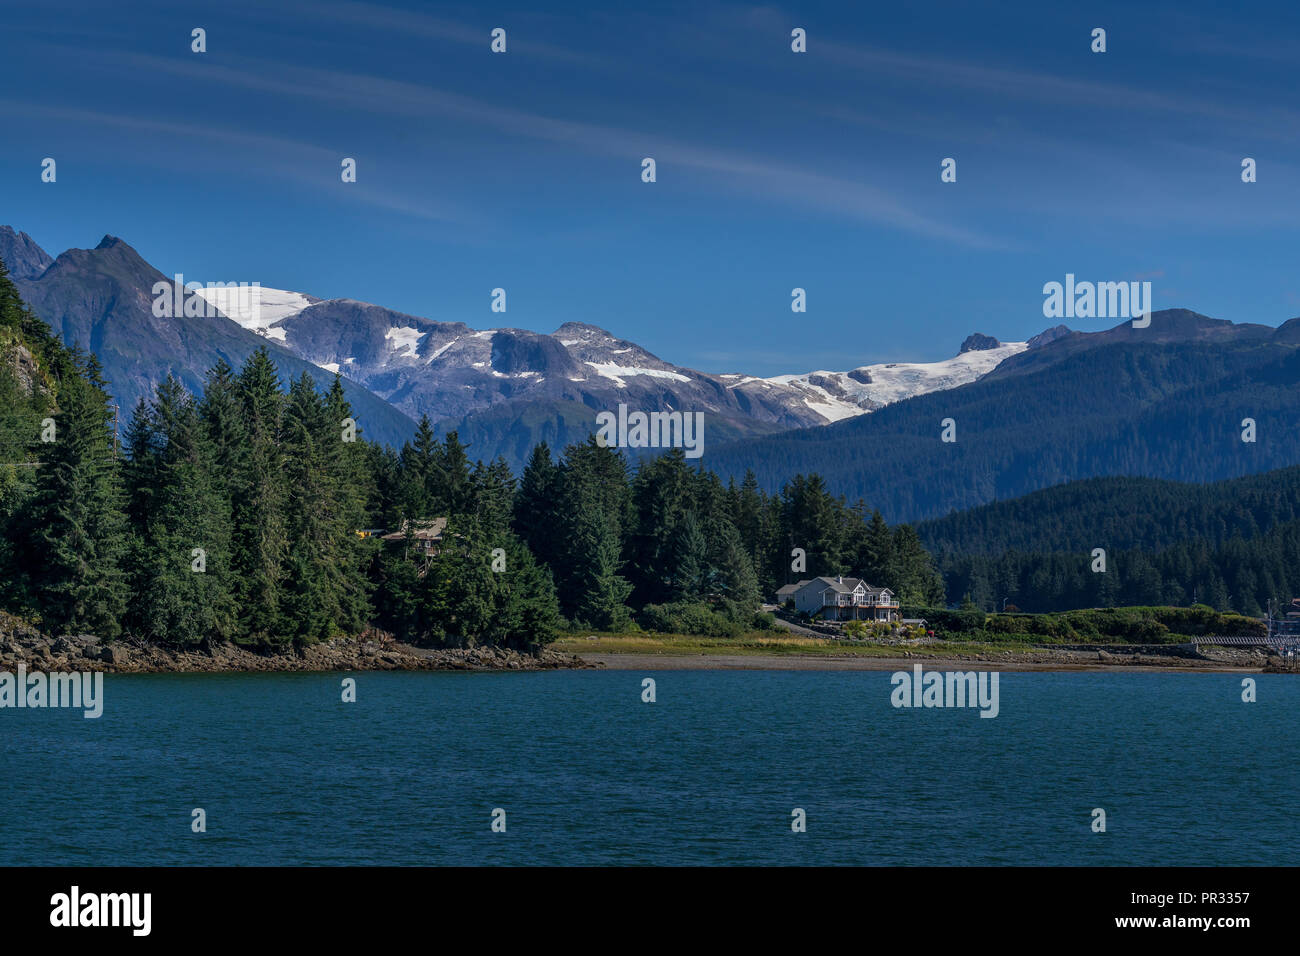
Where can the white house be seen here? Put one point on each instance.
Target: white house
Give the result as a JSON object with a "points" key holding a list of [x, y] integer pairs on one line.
{"points": [[844, 599]]}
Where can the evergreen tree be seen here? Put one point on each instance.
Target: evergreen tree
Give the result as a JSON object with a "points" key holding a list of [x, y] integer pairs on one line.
{"points": [[688, 569], [180, 521], [78, 521], [325, 590], [911, 571], [601, 602], [493, 493], [537, 518], [261, 537], [733, 582], [421, 487], [457, 492], [595, 506]]}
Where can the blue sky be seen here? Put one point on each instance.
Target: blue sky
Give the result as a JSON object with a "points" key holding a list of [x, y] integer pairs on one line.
{"points": [[775, 169]]}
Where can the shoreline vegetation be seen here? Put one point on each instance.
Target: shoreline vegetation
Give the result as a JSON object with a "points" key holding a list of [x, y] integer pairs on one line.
{"points": [[758, 650], [244, 525], [764, 652], [246, 517]]}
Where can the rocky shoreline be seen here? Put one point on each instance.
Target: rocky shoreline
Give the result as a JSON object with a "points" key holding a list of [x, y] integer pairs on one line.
{"points": [[372, 651], [21, 643]]}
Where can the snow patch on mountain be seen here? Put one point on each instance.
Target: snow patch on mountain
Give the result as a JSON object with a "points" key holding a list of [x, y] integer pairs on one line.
{"points": [[258, 308], [617, 373], [839, 395], [404, 340], [440, 349]]}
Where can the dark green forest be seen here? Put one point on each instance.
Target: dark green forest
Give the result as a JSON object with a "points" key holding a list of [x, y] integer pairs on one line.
{"points": [[1232, 545], [1129, 403], [234, 515]]}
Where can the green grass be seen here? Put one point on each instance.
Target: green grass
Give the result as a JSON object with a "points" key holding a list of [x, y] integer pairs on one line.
{"points": [[763, 643]]}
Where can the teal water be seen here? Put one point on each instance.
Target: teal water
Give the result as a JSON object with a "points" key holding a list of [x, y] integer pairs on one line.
{"points": [[709, 774]]}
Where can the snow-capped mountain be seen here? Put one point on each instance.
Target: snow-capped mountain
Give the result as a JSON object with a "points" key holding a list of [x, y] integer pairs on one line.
{"points": [[103, 299], [257, 309], [839, 395], [449, 370], [503, 389]]}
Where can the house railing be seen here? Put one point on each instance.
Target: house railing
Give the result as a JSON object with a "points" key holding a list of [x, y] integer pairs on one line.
{"points": [[846, 601]]}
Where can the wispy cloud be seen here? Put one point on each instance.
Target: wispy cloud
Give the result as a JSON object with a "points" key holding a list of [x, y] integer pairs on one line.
{"points": [[286, 159], [730, 169], [393, 21]]}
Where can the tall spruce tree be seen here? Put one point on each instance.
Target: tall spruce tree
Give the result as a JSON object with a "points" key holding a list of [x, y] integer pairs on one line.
{"points": [[537, 517], [180, 523], [261, 537], [324, 591], [80, 536]]}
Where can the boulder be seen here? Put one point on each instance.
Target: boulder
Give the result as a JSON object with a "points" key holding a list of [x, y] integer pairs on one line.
{"points": [[112, 655]]}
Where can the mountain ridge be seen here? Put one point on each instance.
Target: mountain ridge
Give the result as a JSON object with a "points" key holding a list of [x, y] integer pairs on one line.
{"points": [[102, 299], [1082, 406], [465, 378]]}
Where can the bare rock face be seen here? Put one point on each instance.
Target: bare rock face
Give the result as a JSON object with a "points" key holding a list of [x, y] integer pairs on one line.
{"points": [[22, 256], [979, 342], [22, 364]]}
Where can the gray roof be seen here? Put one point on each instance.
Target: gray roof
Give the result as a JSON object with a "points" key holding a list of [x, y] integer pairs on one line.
{"points": [[844, 585]]}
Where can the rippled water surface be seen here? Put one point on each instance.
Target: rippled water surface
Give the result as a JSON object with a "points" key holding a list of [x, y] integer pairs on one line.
{"points": [[589, 774]]}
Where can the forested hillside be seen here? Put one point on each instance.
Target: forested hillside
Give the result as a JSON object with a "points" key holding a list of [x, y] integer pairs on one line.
{"points": [[1233, 545], [1168, 405], [1121, 513], [234, 515]]}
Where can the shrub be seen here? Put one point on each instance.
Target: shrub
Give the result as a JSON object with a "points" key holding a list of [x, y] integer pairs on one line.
{"points": [[683, 617]]}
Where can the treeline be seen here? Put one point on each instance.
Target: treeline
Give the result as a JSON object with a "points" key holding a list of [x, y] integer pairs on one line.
{"points": [[667, 536], [1240, 575], [1121, 514], [1171, 410], [234, 516], [1121, 625], [1232, 545]]}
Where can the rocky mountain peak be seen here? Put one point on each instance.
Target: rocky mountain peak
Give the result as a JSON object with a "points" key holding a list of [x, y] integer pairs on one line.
{"points": [[21, 255], [1049, 335], [979, 342]]}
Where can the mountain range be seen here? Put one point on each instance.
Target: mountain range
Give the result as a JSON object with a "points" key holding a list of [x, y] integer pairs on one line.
{"points": [[454, 373], [1168, 401], [102, 299], [502, 389]]}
